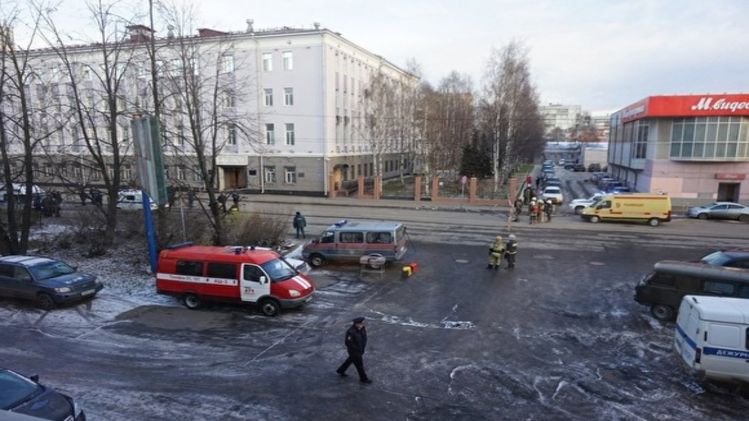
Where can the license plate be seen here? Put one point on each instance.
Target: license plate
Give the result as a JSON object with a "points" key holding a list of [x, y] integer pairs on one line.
{"points": [[88, 292]]}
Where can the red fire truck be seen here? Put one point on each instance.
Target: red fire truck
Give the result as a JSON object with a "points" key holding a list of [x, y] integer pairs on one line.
{"points": [[231, 274]]}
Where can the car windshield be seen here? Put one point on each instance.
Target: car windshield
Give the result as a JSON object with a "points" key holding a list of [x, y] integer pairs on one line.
{"points": [[718, 259], [51, 269], [15, 389], [552, 190], [278, 270]]}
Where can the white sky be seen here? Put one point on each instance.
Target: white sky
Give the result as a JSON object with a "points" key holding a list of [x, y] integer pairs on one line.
{"points": [[601, 54]]}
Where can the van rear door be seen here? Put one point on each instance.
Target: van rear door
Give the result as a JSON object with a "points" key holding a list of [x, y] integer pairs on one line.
{"points": [[685, 337]]}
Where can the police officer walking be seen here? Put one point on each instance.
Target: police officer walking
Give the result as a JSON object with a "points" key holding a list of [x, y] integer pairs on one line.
{"points": [[356, 342], [511, 249]]}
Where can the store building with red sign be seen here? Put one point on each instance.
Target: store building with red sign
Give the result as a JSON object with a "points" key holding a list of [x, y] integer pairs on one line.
{"points": [[688, 146]]}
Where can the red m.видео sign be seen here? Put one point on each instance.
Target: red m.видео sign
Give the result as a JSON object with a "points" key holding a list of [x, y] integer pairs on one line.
{"points": [[687, 106]]}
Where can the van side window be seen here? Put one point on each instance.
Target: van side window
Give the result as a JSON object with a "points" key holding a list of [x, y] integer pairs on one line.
{"points": [[606, 204], [252, 273], [723, 335], [186, 267], [743, 292], [222, 270], [351, 237], [379, 237], [662, 279], [327, 237], [721, 288]]}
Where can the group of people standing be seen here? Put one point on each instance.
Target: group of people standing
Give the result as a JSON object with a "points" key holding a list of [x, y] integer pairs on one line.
{"points": [[498, 249]]}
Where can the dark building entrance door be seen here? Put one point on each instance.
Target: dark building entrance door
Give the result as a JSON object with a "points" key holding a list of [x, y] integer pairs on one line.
{"points": [[728, 192]]}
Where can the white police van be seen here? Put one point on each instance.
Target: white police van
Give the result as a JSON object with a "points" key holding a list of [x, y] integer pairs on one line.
{"points": [[132, 199], [712, 337]]}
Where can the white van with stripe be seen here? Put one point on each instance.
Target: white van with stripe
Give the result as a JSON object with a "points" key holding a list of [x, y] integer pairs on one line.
{"points": [[712, 336], [231, 274]]}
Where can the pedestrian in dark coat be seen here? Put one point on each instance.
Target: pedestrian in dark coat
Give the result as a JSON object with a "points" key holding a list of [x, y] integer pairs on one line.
{"points": [[235, 198], [222, 201], [356, 343], [299, 223]]}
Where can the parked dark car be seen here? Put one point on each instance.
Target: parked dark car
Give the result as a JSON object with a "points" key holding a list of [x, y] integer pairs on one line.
{"points": [[729, 258], [671, 280], [25, 395], [569, 166], [594, 167], [46, 281], [578, 168]]}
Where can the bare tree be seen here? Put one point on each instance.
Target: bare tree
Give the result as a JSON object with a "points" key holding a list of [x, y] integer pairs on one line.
{"points": [[19, 134], [207, 114], [379, 103], [508, 108], [95, 76]]}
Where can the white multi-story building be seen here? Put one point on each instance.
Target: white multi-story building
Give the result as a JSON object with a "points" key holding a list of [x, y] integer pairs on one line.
{"points": [[564, 117], [296, 99]]}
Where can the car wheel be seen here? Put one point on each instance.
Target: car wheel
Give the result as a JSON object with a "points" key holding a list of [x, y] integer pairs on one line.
{"points": [[192, 301], [316, 260], [45, 301], [662, 312], [579, 210], [594, 219], [744, 218], [702, 216], [269, 307], [654, 222]]}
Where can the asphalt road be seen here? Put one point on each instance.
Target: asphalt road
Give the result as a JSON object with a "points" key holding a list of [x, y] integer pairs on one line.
{"points": [[559, 337]]}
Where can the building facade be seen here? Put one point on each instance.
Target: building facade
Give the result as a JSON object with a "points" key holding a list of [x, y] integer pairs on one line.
{"points": [[688, 146], [558, 116], [290, 108]]}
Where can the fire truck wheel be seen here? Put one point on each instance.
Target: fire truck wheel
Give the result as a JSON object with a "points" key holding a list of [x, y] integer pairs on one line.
{"points": [[192, 301], [269, 307]]}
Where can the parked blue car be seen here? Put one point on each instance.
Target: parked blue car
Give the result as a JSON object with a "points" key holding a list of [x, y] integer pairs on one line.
{"points": [[25, 395], [48, 282]]}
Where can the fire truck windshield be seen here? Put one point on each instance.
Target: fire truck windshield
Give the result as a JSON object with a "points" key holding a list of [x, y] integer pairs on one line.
{"points": [[278, 270]]}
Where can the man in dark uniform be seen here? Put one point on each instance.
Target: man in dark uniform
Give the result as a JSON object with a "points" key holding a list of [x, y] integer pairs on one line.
{"points": [[356, 342]]}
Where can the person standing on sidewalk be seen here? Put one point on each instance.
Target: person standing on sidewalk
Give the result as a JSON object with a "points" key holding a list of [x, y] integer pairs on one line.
{"points": [[356, 343], [299, 223]]}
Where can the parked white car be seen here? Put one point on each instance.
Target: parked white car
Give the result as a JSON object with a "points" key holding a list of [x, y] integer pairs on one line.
{"points": [[554, 193], [577, 205]]}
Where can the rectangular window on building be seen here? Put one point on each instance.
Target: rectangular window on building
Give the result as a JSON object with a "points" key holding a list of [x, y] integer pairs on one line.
{"points": [[289, 133], [268, 95], [267, 62], [289, 175], [181, 173], [288, 60], [337, 82], [641, 146], [269, 174], [231, 134], [288, 96], [227, 63], [127, 172], [270, 135]]}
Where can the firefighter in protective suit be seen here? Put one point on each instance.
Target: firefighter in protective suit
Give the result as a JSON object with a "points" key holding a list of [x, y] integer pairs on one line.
{"points": [[495, 253], [511, 249]]}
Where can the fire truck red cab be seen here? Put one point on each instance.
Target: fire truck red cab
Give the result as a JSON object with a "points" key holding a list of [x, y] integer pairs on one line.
{"points": [[231, 274]]}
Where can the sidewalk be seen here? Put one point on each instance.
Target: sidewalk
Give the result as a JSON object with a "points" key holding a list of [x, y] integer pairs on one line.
{"points": [[370, 203]]}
